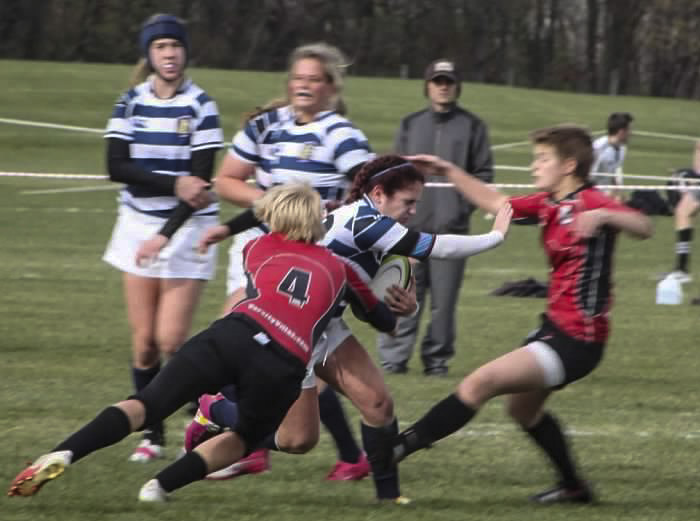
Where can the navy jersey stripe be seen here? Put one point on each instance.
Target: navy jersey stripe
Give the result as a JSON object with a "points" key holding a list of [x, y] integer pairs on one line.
{"points": [[308, 166], [168, 165], [119, 111], [203, 98], [285, 137], [161, 138], [245, 155], [349, 145], [340, 124], [250, 131], [366, 238], [341, 249], [209, 122], [367, 261], [149, 111]]}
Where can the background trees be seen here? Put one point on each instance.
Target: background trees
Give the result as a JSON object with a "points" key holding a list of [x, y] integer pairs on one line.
{"points": [[646, 47]]}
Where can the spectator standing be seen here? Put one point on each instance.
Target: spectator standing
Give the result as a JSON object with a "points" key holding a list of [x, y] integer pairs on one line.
{"points": [[450, 132]]}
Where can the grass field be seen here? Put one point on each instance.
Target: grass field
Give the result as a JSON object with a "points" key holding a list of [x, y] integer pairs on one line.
{"points": [[64, 352]]}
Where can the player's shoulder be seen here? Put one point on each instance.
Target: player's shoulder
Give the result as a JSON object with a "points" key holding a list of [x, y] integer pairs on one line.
{"points": [[198, 94], [593, 198], [600, 142], [271, 118], [535, 197], [131, 95], [473, 118], [332, 123]]}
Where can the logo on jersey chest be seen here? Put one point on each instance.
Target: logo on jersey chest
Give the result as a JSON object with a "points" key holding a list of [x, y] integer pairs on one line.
{"points": [[565, 214], [183, 125], [307, 151]]}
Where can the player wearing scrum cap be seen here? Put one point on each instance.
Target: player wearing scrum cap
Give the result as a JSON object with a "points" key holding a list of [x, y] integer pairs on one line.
{"points": [[162, 139]]}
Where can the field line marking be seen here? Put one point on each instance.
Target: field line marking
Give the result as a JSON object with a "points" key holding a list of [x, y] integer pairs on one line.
{"points": [[43, 124], [53, 176], [69, 190], [666, 136]]}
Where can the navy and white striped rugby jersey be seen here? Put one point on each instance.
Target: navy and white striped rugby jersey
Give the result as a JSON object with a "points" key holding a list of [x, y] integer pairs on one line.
{"points": [[162, 135], [361, 235], [320, 152]]}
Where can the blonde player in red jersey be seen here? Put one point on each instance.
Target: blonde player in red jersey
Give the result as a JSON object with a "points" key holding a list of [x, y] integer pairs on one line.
{"points": [[263, 346]]}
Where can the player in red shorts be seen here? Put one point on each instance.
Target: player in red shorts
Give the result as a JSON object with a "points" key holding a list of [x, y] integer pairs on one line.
{"points": [[579, 226], [263, 346]]}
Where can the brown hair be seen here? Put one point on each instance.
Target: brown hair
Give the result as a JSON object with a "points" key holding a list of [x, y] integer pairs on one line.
{"points": [[619, 121], [390, 171], [276, 103], [569, 142]]}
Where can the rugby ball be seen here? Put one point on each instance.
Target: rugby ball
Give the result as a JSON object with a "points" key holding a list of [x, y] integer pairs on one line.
{"points": [[394, 269]]}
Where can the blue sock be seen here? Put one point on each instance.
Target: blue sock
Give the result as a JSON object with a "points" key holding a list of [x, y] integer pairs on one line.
{"points": [[225, 413], [333, 419]]}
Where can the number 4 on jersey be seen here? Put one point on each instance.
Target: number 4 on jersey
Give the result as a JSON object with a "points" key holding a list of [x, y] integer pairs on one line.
{"points": [[295, 284]]}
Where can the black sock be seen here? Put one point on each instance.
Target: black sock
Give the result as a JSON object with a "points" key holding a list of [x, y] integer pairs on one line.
{"points": [[269, 443], [384, 473], [333, 419], [142, 377], [191, 467], [446, 417], [108, 427], [683, 240], [549, 436]]}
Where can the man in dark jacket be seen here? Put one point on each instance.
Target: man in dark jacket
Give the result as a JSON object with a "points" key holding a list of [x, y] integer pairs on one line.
{"points": [[446, 130]]}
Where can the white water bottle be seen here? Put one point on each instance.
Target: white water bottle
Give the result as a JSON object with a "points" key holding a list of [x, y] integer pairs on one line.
{"points": [[669, 291]]}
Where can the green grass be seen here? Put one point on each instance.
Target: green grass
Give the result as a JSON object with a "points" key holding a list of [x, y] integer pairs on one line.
{"points": [[64, 351]]}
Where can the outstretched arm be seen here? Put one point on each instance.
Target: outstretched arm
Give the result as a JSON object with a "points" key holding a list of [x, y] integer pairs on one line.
{"points": [[473, 189], [634, 223]]}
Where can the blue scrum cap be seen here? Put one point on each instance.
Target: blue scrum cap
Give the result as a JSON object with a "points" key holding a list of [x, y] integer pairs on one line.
{"points": [[163, 26]]}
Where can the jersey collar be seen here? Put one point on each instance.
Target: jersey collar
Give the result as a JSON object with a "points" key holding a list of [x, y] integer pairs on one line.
{"points": [[573, 194], [186, 84]]}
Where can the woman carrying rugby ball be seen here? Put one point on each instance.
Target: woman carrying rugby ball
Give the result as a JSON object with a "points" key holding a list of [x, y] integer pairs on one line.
{"points": [[369, 227]]}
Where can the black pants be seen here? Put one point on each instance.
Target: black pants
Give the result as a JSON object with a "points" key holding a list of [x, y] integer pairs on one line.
{"points": [[267, 377]]}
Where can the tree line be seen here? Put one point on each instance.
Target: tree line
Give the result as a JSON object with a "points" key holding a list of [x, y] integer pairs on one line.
{"points": [[641, 47]]}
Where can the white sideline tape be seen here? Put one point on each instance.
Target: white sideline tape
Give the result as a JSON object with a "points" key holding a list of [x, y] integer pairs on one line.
{"points": [[42, 124], [52, 176], [666, 136], [70, 190], [495, 185], [606, 187]]}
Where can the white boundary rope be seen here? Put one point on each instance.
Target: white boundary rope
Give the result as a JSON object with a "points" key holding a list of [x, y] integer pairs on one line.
{"points": [[42, 124], [53, 176], [437, 185]]}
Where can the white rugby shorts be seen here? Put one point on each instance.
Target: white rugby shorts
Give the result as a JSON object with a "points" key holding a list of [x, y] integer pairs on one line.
{"points": [[334, 335], [178, 260], [235, 276]]}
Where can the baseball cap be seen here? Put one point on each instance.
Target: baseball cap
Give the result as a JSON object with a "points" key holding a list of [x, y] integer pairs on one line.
{"points": [[442, 67]]}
